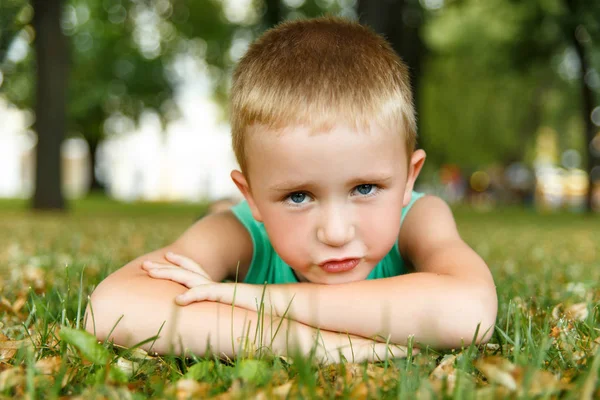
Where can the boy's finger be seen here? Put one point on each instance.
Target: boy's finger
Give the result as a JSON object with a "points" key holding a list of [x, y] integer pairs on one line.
{"points": [[193, 295], [206, 292], [151, 264], [185, 262], [177, 275]]}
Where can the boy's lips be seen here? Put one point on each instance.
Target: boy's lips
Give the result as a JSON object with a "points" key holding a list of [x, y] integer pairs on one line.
{"points": [[339, 265]]}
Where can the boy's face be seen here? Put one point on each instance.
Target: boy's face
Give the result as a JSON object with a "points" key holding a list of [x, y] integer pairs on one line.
{"points": [[331, 196]]}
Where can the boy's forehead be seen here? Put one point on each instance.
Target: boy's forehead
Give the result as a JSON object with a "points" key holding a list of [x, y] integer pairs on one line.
{"points": [[260, 132], [295, 147]]}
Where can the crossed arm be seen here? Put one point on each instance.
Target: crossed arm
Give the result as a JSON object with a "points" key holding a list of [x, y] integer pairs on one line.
{"points": [[441, 304], [129, 307], [129, 311], [449, 298]]}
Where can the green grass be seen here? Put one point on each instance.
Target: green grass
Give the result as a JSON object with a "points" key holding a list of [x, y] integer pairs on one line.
{"points": [[50, 263]]}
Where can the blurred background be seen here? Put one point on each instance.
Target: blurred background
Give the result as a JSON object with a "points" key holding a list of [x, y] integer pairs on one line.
{"points": [[128, 98]]}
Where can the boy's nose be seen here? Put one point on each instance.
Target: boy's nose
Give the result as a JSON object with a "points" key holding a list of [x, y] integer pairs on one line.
{"points": [[335, 229]]}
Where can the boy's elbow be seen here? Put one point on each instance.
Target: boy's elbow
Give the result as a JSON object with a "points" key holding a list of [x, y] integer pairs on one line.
{"points": [[482, 326], [95, 314], [477, 322], [101, 314]]}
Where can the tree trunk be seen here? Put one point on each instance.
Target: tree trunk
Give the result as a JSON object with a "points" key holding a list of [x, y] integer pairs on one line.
{"points": [[50, 107], [95, 186], [587, 106], [587, 97], [273, 14], [399, 21]]}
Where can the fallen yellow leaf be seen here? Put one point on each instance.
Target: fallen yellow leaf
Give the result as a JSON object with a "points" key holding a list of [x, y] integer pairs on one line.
{"points": [[577, 312], [8, 348], [49, 365], [11, 377], [444, 371], [502, 372]]}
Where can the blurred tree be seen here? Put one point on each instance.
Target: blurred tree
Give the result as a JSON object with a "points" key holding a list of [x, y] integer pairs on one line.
{"points": [[123, 54], [16, 33], [400, 21], [581, 28], [50, 105], [499, 70], [273, 12], [10, 24]]}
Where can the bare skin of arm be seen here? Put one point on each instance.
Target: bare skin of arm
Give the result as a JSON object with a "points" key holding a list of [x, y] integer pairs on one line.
{"points": [[129, 307], [441, 304]]}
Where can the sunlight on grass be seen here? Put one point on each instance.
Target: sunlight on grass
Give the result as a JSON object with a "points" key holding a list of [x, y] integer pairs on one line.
{"points": [[546, 343]]}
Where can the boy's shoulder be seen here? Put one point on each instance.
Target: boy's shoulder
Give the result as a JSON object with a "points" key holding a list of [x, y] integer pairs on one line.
{"points": [[219, 243], [428, 224], [429, 239]]}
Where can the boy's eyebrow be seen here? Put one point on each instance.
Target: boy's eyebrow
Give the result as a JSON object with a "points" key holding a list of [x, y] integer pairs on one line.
{"points": [[290, 186]]}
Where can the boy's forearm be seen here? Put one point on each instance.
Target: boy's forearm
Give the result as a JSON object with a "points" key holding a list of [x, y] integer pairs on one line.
{"points": [[197, 328], [209, 326], [438, 310]]}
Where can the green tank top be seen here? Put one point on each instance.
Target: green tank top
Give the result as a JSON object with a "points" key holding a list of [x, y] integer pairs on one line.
{"points": [[267, 267]]}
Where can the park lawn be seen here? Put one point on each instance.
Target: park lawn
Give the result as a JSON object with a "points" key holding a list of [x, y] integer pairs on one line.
{"points": [[546, 343]]}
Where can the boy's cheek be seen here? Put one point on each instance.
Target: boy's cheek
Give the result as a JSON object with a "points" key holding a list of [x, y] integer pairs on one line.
{"points": [[380, 232], [289, 241]]}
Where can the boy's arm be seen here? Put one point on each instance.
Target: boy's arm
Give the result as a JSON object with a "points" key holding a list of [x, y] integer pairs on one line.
{"points": [[128, 309], [129, 306], [441, 304]]}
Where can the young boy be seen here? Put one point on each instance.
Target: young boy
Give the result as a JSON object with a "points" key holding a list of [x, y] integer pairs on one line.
{"points": [[324, 131]]}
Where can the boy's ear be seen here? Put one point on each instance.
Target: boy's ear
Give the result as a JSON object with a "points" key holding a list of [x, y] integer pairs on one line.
{"points": [[242, 184], [414, 169]]}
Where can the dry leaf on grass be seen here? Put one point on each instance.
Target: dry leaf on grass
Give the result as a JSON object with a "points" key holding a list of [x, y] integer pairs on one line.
{"points": [[14, 307], [128, 367], [363, 381], [49, 365], [11, 377], [574, 312], [104, 393], [188, 389], [137, 354], [445, 371], [69, 374], [8, 348], [577, 312], [492, 346], [492, 392], [278, 392], [502, 372]]}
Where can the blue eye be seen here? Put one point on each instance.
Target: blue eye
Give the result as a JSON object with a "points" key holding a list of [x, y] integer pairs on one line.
{"points": [[298, 197], [364, 189]]}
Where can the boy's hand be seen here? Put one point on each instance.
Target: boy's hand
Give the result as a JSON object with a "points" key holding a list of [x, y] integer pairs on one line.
{"points": [[180, 269], [186, 272]]}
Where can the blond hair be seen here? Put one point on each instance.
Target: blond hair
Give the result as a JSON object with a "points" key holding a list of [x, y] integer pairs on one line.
{"points": [[316, 73]]}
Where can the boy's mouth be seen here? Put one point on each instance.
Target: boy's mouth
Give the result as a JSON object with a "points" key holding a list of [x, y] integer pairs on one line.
{"points": [[339, 265]]}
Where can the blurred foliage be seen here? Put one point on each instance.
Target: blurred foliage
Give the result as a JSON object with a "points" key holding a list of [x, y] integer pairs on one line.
{"points": [[121, 56], [11, 21], [498, 71], [124, 54], [495, 71]]}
